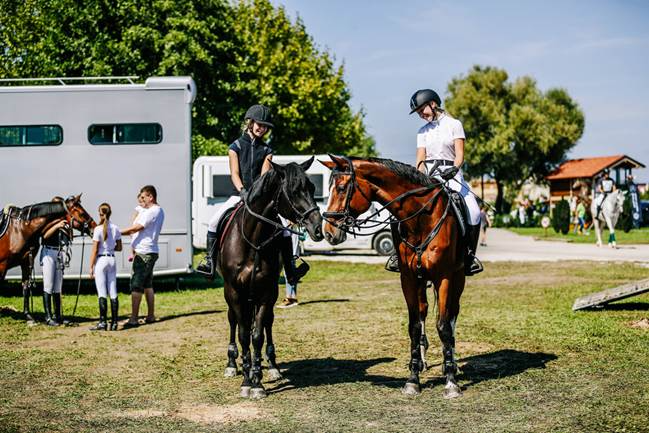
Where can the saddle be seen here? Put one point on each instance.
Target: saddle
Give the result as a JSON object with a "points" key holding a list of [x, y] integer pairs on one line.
{"points": [[224, 223], [461, 212], [5, 216]]}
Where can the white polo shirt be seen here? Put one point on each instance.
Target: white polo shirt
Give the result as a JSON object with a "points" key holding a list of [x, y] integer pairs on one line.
{"points": [[438, 137], [106, 246], [147, 239]]}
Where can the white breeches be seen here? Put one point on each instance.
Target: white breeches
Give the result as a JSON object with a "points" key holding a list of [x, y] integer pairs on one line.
{"points": [[51, 264], [459, 184], [106, 277], [220, 210]]}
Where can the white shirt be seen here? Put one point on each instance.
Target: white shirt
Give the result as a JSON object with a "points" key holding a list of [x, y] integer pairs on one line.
{"points": [[139, 210], [438, 137], [147, 239], [106, 246]]}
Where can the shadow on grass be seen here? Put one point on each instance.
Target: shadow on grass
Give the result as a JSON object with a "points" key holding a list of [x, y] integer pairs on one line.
{"points": [[626, 306], [193, 313], [320, 301]]}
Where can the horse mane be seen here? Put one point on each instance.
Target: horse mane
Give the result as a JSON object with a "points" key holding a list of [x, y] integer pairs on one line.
{"points": [[400, 169], [37, 210], [265, 184]]}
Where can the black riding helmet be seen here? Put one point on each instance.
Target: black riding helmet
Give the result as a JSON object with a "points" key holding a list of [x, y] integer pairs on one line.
{"points": [[423, 97], [260, 114]]}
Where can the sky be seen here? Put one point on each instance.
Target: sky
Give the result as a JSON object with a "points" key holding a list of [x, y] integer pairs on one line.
{"points": [[597, 50]]}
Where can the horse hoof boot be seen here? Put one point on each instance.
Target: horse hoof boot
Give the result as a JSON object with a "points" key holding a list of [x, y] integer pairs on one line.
{"points": [[245, 392], [411, 389], [452, 390], [230, 372], [274, 374], [257, 393]]}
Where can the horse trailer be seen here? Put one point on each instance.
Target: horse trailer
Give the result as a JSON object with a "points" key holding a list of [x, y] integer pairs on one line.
{"points": [[106, 141]]}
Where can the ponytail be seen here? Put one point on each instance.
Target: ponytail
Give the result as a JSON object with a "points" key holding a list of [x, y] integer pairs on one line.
{"points": [[104, 215]]}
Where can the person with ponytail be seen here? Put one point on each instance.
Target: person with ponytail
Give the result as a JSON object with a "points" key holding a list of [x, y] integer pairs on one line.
{"points": [[106, 240]]}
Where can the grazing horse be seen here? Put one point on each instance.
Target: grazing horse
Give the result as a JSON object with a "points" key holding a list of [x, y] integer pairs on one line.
{"points": [[249, 262], [431, 247], [607, 213], [22, 228]]}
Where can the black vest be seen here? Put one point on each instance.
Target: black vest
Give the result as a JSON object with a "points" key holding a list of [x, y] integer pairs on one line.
{"points": [[252, 155]]}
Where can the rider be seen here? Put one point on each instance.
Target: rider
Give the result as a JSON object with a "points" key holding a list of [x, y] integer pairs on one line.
{"points": [[441, 141], [249, 158], [55, 241], [605, 186]]}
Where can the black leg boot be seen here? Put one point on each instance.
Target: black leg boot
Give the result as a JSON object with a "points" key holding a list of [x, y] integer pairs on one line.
{"points": [[26, 310], [392, 264], [208, 264], [47, 306], [114, 308], [472, 265], [103, 312], [291, 273], [57, 308]]}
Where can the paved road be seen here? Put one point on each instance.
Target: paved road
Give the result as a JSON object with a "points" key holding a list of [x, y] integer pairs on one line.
{"points": [[504, 245]]}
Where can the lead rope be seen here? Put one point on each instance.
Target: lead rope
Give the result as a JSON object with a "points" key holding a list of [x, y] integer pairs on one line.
{"points": [[83, 246]]}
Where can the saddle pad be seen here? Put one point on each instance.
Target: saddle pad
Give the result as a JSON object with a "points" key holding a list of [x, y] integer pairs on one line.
{"points": [[224, 222]]}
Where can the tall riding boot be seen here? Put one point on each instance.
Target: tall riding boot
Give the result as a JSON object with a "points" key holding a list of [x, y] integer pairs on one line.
{"points": [[57, 308], [26, 309], [208, 264], [392, 264], [103, 310], [472, 265], [291, 273], [114, 308], [47, 306]]}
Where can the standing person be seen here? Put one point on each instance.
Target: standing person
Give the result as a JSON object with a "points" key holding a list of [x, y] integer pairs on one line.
{"points": [[291, 287], [580, 212], [137, 211], [249, 157], [147, 226], [55, 241], [485, 223], [441, 141], [106, 240]]}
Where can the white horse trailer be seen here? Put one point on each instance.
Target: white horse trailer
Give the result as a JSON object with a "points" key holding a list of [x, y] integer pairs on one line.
{"points": [[106, 141], [212, 186]]}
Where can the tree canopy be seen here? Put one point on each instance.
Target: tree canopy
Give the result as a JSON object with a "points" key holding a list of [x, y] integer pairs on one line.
{"points": [[514, 131], [239, 54]]}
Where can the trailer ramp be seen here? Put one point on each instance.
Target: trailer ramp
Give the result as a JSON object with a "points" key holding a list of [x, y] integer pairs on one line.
{"points": [[615, 294]]}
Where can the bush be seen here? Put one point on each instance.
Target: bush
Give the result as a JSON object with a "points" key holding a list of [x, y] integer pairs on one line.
{"points": [[625, 222], [502, 221], [561, 217]]}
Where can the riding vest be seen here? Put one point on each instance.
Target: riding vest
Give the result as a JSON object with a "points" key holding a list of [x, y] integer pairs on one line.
{"points": [[607, 185], [252, 154]]}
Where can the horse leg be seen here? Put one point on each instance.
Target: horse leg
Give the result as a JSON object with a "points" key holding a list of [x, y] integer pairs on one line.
{"points": [[233, 353], [449, 291], [257, 390], [611, 232], [598, 231], [244, 321], [410, 285], [273, 369], [423, 340], [26, 267]]}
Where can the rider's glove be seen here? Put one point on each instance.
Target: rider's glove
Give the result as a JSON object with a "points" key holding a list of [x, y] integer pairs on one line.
{"points": [[243, 194], [450, 173]]}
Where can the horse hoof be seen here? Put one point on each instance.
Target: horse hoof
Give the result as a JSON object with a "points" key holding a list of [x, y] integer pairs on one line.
{"points": [[274, 374], [452, 391], [411, 389], [230, 372], [257, 393], [245, 392]]}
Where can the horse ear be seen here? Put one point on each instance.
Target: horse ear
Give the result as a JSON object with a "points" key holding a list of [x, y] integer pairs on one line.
{"points": [[329, 164], [278, 168], [78, 198], [307, 164], [339, 161]]}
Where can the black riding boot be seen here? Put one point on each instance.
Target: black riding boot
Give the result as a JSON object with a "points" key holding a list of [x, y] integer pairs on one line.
{"points": [[47, 306], [208, 264], [114, 308], [472, 265], [103, 312], [57, 308], [26, 310], [291, 273], [392, 264]]}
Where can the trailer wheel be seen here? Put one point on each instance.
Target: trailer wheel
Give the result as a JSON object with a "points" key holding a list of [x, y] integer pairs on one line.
{"points": [[383, 243]]}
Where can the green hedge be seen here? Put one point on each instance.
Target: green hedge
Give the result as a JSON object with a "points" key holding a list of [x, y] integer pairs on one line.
{"points": [[561, 217]]}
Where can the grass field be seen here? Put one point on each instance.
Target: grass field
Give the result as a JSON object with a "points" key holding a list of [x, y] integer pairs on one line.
{"points": [[637, 236], [529, 364]]}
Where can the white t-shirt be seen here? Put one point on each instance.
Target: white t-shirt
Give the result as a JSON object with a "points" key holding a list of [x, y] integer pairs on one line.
{"points": [[113, 235], [139, 210], [147, 239], [438, 137]]}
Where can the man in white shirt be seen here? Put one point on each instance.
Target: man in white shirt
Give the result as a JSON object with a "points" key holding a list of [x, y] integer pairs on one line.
{"points": [[148, 226]]}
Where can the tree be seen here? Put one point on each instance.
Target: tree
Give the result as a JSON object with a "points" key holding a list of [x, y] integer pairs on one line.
{"points": [[514, 131], [239, 54]]}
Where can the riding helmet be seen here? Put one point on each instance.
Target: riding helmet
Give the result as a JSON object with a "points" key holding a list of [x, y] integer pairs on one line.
{"points": [[260, 114], [423, 97]]}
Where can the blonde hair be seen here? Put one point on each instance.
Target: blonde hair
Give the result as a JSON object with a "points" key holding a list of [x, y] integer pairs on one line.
{"points": [[104, 215]]}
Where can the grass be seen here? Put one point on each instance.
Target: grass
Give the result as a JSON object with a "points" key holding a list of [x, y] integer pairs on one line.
{"points": [[636, 236], [529, 364]]}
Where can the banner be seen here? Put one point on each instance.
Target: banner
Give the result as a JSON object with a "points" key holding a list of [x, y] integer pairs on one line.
{"points": [[635, 203]]}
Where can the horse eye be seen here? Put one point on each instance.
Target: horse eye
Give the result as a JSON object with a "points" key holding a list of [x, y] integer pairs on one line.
{"points": [[341, 188]]}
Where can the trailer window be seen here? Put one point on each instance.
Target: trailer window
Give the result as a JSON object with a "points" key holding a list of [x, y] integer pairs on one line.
{"points": [[125, 133], [31, 135], [317, 180], [222, 185]]}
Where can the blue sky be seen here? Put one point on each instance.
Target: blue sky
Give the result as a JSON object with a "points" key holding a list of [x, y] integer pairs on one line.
{"points": [[597, 50]]}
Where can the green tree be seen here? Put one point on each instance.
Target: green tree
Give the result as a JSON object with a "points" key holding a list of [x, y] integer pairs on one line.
{"points": [[514, 131], [238, 54]]}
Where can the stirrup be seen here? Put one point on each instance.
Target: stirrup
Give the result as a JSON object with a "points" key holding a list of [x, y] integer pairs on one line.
{"points": [[475, 267], [206, 267], [392, 265]]}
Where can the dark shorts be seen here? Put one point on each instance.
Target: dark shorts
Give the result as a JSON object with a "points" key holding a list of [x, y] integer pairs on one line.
{"points": [[142, 276]]}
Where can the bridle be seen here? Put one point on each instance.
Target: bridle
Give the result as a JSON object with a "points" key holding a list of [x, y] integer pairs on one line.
{"points": [[74, 221]]}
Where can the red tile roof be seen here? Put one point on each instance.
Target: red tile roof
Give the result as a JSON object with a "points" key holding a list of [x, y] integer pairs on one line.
{"points": [[586, 167]]}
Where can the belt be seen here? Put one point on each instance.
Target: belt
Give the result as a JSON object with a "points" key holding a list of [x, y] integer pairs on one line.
{"points": [[51, 248], [442, 162], [106, 255]]}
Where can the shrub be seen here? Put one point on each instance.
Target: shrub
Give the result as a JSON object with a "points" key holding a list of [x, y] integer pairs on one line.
{"points": [[561, 217]]}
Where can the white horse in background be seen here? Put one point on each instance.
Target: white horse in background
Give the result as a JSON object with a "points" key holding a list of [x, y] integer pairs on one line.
{"points": [[609, 211]]}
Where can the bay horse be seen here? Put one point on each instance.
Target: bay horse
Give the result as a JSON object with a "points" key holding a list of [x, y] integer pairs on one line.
{"points": [[249, 262], [20, 239], [429, 246]]}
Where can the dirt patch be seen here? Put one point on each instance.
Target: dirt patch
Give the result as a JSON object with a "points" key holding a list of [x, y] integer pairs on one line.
{"points": [[204, 413], [640, 324]]}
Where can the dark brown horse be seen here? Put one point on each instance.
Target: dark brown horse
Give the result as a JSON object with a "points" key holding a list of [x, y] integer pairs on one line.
{"points": [[429, 249], [20, 241], [249, 262]]}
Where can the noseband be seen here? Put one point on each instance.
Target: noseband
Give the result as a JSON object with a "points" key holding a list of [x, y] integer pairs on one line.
{"points": [[349, 221]]}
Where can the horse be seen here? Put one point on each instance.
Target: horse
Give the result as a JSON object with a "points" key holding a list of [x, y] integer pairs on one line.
{"points": [[429, 246], [22, 228], [248, 261], [607, 213]]}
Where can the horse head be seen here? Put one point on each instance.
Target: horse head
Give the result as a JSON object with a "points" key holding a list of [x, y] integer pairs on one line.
{"points": [[77, 216], [297, 199]]}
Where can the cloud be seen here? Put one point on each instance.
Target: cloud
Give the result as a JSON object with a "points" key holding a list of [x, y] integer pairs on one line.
{"points": [[612, 42]]}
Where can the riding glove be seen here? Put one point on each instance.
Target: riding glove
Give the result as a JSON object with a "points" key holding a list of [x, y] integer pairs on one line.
{"points": [[449, 173], [244, 194]]}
